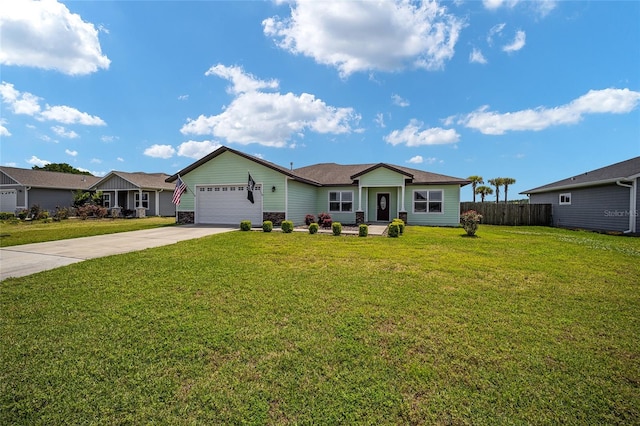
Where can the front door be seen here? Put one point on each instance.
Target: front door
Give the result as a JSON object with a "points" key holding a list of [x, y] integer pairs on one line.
{"points": [[383, 207]]}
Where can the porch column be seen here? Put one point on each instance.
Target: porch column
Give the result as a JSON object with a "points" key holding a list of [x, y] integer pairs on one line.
{"points": [[115, 204], [359, 196], [402, 189], [158, 202]]}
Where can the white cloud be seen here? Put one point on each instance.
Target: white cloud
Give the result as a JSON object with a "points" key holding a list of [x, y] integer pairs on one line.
{"points": [[120, 159], [412, 136], [35, 161], [64, 133], [69, 115], [496, 4], [160, 151], [607, 101], [379, 120], [416, 160], [517, 43], [542, 7], [71, 153], [3, 130], [270, 119], [108, 139], [364, 36], [194, 149], [45, 34], [242, 82], [183, 97], [495, 30], [28, 104], [96, 161], [477, 57], [399, 101]]}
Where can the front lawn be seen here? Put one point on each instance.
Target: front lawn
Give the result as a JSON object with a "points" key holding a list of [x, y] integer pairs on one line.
{"points": [[520, 325], [26, 232]]}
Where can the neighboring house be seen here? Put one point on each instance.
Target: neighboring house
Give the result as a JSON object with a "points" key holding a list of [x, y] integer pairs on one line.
{"points": [[24, 188], [144, 194], [606, 199], [218, 184]]}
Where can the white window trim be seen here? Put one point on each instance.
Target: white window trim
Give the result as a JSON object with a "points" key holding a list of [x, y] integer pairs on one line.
{"points": [[106, 200], [564, 203], [340, 202], [428, 191], [136, 200]]}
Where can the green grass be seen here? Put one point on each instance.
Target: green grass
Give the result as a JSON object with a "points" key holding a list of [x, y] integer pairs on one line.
{"points": [[12, 234], [518, 326]]}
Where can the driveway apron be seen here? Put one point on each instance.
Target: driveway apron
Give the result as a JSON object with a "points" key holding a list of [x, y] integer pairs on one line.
{"points": [[27, 259]]}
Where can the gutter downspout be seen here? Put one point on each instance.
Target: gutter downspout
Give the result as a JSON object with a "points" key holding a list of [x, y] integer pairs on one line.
{"points": [[632, 204]]}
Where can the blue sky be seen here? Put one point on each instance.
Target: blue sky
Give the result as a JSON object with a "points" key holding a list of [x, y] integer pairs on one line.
{"points": [[533, 90]]}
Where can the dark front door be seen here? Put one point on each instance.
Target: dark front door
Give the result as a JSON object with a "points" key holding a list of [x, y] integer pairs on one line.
{"points": [[383, 207]]}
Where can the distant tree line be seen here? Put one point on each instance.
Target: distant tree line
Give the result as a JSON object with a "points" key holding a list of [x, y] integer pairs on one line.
{"points": [[62, 168], [477, 183]]}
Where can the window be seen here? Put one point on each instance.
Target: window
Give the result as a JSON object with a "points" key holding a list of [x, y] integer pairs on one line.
{"points": [[428, 201], [341, 201], [565, 199], [145, 200], [106, 200]]}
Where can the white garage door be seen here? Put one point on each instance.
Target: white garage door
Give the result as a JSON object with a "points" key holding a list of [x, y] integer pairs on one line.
{"points": [[228, 205], [8, 200]]}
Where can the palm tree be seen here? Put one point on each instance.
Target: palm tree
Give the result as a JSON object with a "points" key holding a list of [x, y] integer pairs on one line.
{"points": [[497, 183], [475, 181], [483, 191], [506, 182]]}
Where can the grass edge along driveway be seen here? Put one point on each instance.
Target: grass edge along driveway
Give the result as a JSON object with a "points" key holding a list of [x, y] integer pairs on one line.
{"points": [[520, 325]]}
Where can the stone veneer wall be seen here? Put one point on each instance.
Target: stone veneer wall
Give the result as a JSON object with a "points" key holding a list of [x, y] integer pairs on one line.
{"points": [[186, 217], [359, 217], [275, 217], [403, 216]]}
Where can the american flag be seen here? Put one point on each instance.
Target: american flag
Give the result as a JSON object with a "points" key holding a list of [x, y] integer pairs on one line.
{"points": [[177, 193]]}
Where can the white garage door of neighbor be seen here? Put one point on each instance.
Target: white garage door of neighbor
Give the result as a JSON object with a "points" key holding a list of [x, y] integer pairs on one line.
{"points": [[228, 205], [8, 200]]}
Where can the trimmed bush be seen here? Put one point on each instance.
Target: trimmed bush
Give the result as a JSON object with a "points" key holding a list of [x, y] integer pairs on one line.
{"points": [[313, 228], [470, 221], [309, 219], [363, 230], [245, 225], [336, 227], [400, 223], [6, 216], [267, 226], [287, 226], [394, 230]]}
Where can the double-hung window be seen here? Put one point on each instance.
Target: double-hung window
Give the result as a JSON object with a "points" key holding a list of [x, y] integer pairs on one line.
{"points": [[428, 201], [144, 202], [341, 201], [106, 200]]}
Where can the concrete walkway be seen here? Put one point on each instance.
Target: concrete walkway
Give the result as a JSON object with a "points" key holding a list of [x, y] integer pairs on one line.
{"points": [[27, 259]]}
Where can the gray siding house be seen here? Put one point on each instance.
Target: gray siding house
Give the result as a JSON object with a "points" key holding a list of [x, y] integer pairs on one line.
{"points": [[23, 188], [146, 194], [605, 199]]}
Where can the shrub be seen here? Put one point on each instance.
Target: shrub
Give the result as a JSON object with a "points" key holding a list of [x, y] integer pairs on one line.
{"points": [[267, 226], [22, 214], [90, 210], [394, 230], [313, 228], [363, 230], [245, 225], [61, 213], [400, 223], [470, 221], [324, 220], [6, 216], [287, 226], [309, 219], [336, 227]]}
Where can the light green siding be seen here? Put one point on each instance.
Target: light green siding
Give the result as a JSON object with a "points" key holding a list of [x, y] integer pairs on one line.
{"points": [[322, 204], [228, 168], [302, 201], [449, 217], [382, 177]]}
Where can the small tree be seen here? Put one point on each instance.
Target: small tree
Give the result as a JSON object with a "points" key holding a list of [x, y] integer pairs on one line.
{"points": [[475, 181], [506, 182], [470, 221], [483, 191]]}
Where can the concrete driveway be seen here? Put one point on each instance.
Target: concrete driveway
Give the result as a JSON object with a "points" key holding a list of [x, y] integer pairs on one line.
{"points": [[27, 259]]}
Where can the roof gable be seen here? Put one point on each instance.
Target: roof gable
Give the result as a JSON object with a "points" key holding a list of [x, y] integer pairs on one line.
{"points": [[624, 170], [140, 180], [47, 179]]}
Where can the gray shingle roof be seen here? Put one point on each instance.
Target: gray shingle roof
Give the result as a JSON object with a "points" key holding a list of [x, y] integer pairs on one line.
{"points": [[143, 180], [331, 173], [623, 170], [46, 179]]}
